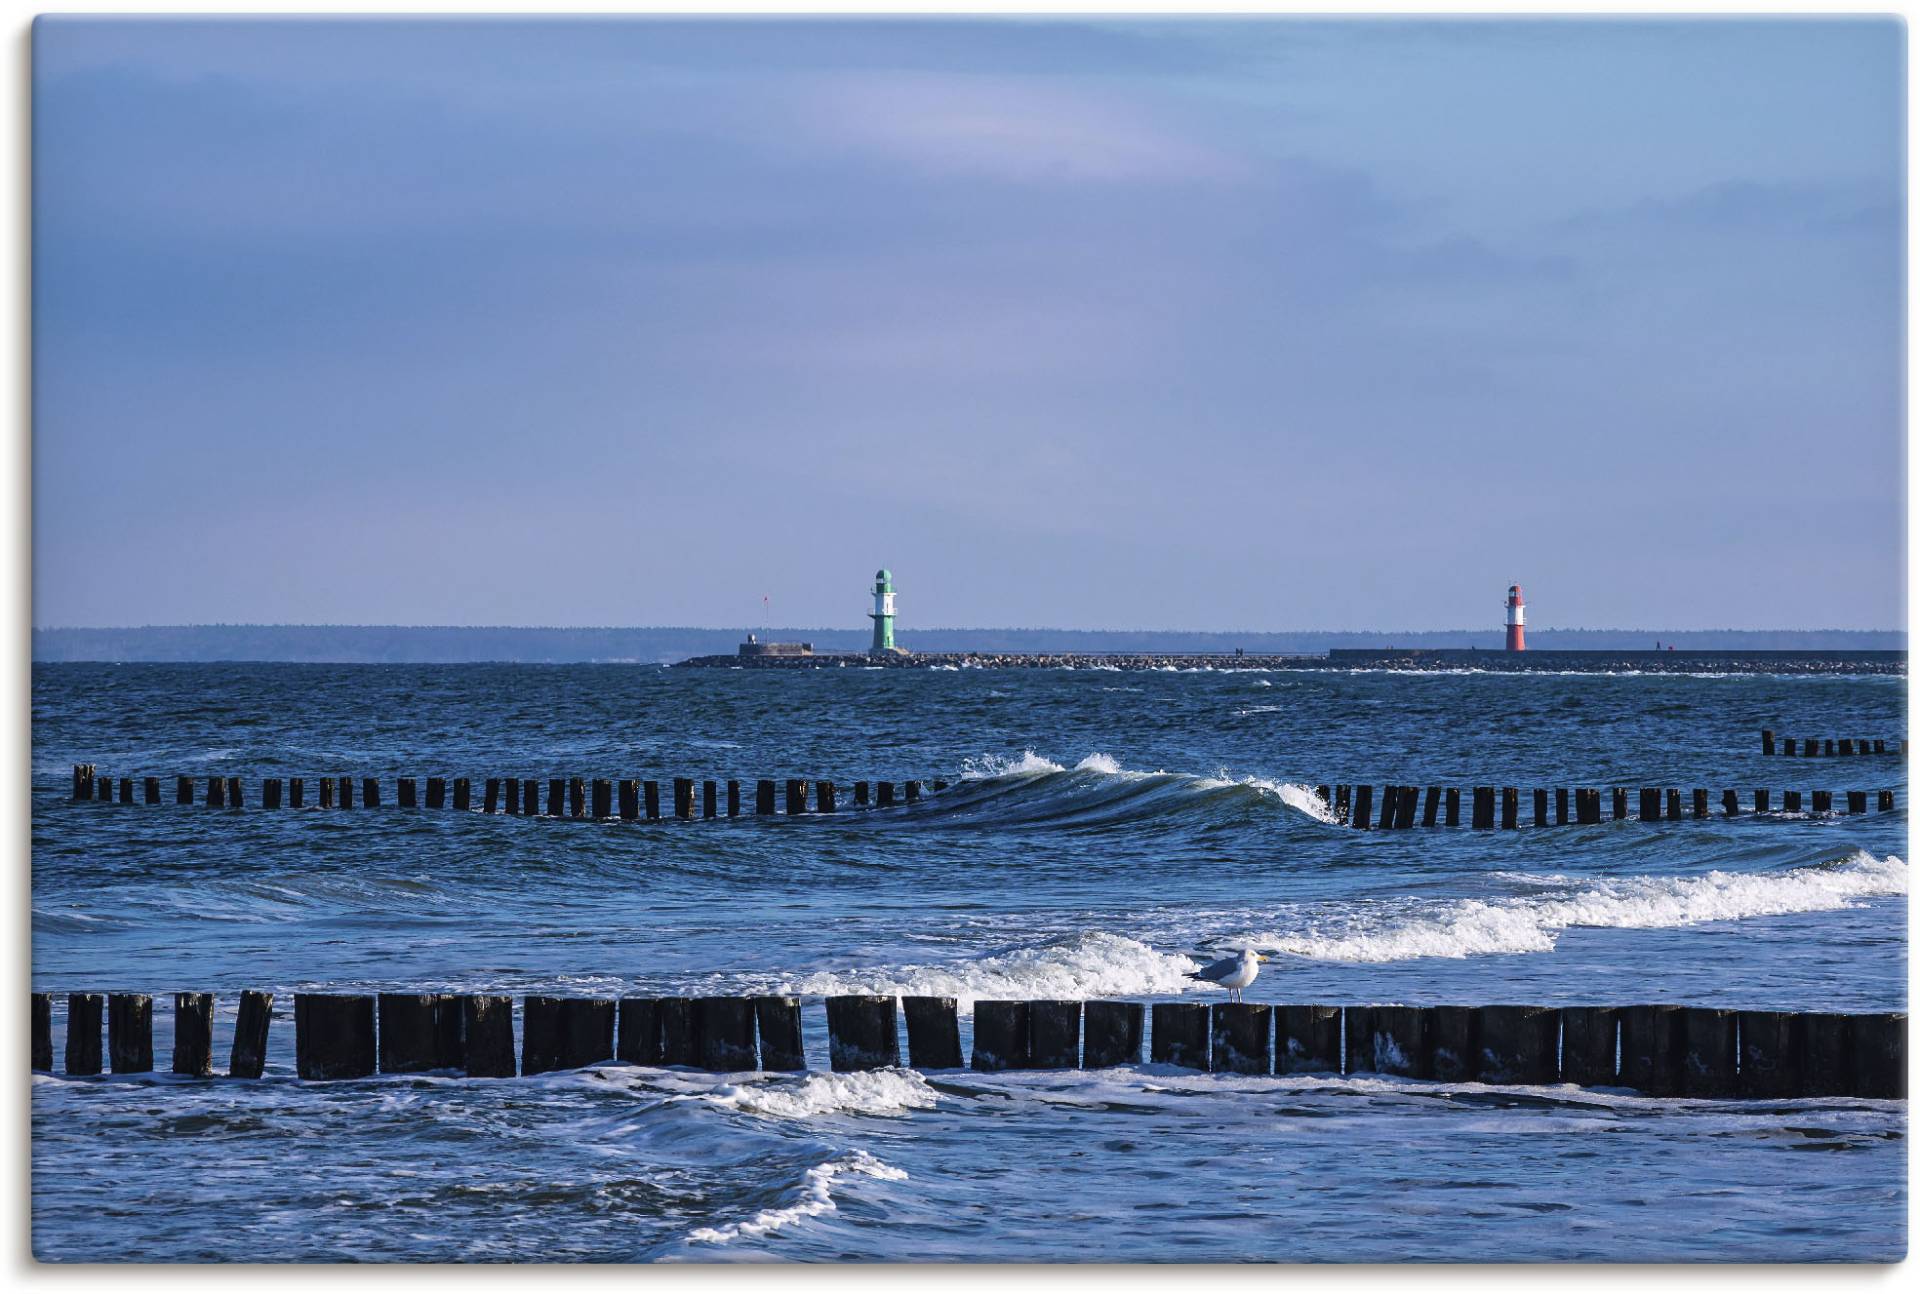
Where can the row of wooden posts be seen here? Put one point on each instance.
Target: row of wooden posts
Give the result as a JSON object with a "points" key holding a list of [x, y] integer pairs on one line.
{"points": [[1814, 746], [575, 797], [1660, 1050], [1400, 806]]}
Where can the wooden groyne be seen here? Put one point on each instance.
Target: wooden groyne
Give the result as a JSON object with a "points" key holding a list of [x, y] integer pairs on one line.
{"points": [[1812, 747], [1486, 808], [1656, 1049], [574, 797]]}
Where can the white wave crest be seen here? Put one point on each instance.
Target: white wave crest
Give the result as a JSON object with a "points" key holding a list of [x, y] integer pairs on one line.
{"points": [[1093, 964], [1472, 927], [815, 1198], [879, 1091]]}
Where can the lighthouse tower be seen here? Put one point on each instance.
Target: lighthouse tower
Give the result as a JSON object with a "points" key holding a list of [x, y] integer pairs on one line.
{"points": [[1516, 619], [882, 613]]}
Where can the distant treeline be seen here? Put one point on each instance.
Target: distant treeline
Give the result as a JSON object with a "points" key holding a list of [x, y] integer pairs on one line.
{"points": [[426, 644]]}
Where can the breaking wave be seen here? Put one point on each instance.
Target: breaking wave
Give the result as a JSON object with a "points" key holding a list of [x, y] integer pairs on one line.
{"points": [[1534, 923], [1098, 791], [880, 1091], [1089, 965], [815, 1197]]}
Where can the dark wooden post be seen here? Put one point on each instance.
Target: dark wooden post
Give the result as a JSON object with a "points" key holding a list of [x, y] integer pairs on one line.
{"points": [[421, 1032], [1766, 741], [249, 1056], [913, 792], [1856, 801], [1509, 807], [510, 794], [492, 803], [1326, 797], [861, 796], [1540, 818], [126, 790], [1431, 814], [1518, 1044], [1830, 746], [602, 798], [193, 1034], [1880, 1055], [863, 1032], [1560, 806], [1403, 812], [269, 793], [1483, 807], [1242, 1038], [1358, 1056], [650, 792], [150, 788], [709, 799], [1879, 746], [1362, 808], [1790, 801], [1389, 806], [1673, 804], [1762, 800], [343, 790], [883, 794], [763, 796], [486, 1029], [796, 796], [1711, 1054], [83, 1033], [1649, 804], [1790, 747], [1826, 1054], [1114, 1032], [530, 797], [42, 1012], [1306, 1040], [638, 1040], [333, 1035], [216, 792], [130, 1033], [1053, 1034], [733, 798], [782, 1049], [1452, 1046], [1619, 803], [577, 797], [1884, 802], [1388, 1040], [1342, 804], [724, 1028], [1651, 1042], [683, 798], [1811, 747], [1823, 801], [1587, 1040], [824, 796], [1001, 1036], [370, 792], [1771, 1046], [462, 794], [1699, 802], [1846, 746], [564, 1033], [1179, 1035], [933, 1032], [557, 797], [1730, 801], [1453, 806], [678, 1046], [82, 783], [629, 799]]}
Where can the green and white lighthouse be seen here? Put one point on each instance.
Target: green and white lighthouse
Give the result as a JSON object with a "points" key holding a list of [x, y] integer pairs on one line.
{"points": [[882, 613]]}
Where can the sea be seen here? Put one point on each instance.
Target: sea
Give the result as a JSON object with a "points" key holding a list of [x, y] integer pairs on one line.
{"points": [[1102, 834]]}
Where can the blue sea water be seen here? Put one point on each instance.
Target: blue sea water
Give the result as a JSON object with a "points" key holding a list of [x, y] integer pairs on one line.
{"points": [[1103, 831]]}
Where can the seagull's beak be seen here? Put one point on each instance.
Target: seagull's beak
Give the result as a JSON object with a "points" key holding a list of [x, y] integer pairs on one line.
{"points": [[1260, 957]]}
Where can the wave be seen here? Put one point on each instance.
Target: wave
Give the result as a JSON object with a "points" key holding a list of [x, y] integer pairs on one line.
{"points": [[880, 1091], [815, 1198], [1098, 791], [1534, 923], [1089, 965]]}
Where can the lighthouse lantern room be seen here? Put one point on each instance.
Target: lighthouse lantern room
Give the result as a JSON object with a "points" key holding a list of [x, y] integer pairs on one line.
{"points": [[1516, 619]]}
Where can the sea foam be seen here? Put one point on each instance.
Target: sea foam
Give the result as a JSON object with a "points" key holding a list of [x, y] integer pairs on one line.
{"points": [[1089, 965], [815, 1198]]}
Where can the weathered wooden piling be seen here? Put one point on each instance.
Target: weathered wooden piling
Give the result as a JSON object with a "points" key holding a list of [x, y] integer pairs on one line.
{"points": [[369, 792], [1879, 746], [862, 795], [1829, 746], [1409, 801], [1709, 1052], [576, 797], [343, 791], [1588, 1041], [678, 1045], [1453, 806], [150, 788], [1856, 801], [1001, 1036], [1509, 807], [683, 798], [1811, 747], [42, 1013], [82, 782], [1430, 815], [913, 791], [557, 797], [333, 1035], [1586, 803], [1880, 1055], [492, 801], [1306, 1040], [436, 792], [1885, 802], [130, 1033], [269, 793], [724, 1028], [1846, 745], [1560, 798], [883, 795], [1826, 1054], [248, 1058], [650, 795], [462, 794], [1766, 741], [1451, 1044], [1389, 806], [824, 796], [1540, 807], [1619, 803], [1362, 817], [1823, 801], [1482, 807], [1772, 1044], [1387, 1040], [1651, 1042], [602, 798], [863, 1032], [1790, 747], [933, 1032], [796, 796], [629, 799], [1053, 1034], [486, 1035], [530, 797], [1518, 1044], [83, 1032], [1180, 1031], [216, 792], [637, 1040], [1342, 804], [1673, 804], [564, 1032], [733, 798], [782, 1050], [709, 799], [1730, 803], [763, 797], [126, 790], [1762, 800], [1790, 801], [1241, 1038], [421, 1032], [510, 794], [1114, 1033]]}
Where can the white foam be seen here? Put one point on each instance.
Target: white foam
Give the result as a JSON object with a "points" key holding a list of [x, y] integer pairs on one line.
{"points": [[879, 1091], [1092, 964], [1473, 927], [816, 1197]]}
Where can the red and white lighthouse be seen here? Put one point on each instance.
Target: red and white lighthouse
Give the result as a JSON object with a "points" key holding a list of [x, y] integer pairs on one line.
{"points": [[1516, 619]]}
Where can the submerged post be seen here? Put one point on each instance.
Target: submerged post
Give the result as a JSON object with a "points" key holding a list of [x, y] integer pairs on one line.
{"points": [[1179, 1035], [683, 798], [629, 799], [1000, 1036], [1114, 1032], [778, 1020], [863, 1032], [763, 797], [733, 798], [462, 794]]}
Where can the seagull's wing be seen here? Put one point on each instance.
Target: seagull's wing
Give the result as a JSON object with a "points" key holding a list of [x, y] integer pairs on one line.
{"points": [[1218, 970]]}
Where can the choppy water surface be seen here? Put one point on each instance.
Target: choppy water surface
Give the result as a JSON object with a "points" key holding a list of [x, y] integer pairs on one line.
{"points": [[1104, 830]]}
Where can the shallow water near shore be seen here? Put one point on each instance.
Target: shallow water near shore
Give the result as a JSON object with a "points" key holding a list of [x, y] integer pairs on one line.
{"points": [[1102, 831]]}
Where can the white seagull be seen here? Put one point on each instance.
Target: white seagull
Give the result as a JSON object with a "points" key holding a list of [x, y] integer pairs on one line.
{"points": [[1232, 973]]}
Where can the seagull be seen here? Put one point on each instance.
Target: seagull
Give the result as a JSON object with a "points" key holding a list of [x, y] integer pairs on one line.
{"points": [[1232, 973]]}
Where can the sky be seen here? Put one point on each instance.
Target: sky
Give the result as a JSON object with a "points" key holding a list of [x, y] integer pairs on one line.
{"points": [[1257, 325]]}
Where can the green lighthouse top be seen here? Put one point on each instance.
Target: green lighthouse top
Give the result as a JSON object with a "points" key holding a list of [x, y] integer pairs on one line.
{"points": [[883, 575]]}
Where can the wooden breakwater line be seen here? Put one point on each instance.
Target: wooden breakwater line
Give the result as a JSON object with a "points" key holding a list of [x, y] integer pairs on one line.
{"points": [[566, 797], [1809, 747], [1658, 1049], [1402, 806]]}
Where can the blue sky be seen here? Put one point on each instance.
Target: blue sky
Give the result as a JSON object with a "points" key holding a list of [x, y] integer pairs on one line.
{"points": [[1240, 325]]}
